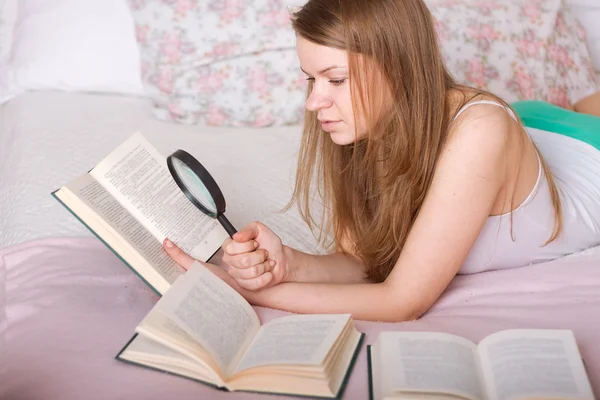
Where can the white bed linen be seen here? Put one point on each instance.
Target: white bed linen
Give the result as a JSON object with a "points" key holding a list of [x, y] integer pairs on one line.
{"points": [[49, 138]]}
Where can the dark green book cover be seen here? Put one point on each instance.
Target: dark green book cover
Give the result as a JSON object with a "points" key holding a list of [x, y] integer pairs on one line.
{"points": [[109, 247], [338, 396], [370, 371]]}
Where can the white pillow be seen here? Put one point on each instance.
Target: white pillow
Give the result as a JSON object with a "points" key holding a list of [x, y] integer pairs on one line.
{"points": [[584, 3], [8, 16], [72, 45], [588, 13]]}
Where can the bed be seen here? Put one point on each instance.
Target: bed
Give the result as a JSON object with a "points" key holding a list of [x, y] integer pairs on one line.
{"points": [[68, 305]]}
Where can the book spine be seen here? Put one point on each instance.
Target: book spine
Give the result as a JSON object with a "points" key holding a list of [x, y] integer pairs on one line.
{"points": [[370, 373], [351, 366], [106, 244]]}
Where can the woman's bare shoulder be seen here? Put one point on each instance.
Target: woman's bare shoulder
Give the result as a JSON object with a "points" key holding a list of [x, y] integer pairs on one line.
{"points": [[482, 121]]}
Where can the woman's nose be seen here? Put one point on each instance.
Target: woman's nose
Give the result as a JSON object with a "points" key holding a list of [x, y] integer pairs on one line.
{"points": [[317, 101]]}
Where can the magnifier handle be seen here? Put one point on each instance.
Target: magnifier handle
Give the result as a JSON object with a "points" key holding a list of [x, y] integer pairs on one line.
{"points": [[226, 224]]}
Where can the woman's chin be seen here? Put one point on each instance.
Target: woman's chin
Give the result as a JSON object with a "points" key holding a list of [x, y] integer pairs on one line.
{"points": [[342, 138]]}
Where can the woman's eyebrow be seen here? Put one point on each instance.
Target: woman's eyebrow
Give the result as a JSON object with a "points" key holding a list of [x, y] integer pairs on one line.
{"points": [[324, 70]]}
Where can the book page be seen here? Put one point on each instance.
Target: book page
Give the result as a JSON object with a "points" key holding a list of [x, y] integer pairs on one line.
{"points": [[125, 225], [534, 364], [295, 339], [144, 351], [136, 174], [145, 346], [212, 313], [418, 362]]}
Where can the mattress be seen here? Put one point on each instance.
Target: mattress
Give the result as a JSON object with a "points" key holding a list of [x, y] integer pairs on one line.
{"points": [[49, 138], [68, 304]]}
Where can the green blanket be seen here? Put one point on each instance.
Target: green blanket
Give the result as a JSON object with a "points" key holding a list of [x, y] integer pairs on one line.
{"points": [[548, 117]]}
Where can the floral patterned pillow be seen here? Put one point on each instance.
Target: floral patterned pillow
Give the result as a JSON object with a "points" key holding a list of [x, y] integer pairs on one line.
{"points": [[516, 49], [220, 62], [233, 62]]}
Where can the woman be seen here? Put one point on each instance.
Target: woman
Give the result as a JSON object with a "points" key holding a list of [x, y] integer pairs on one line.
{"points": [[420, 178]]}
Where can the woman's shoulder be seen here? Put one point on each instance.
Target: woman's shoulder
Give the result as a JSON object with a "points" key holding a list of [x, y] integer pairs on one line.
{"points": [[467, 105], [480, 119]]}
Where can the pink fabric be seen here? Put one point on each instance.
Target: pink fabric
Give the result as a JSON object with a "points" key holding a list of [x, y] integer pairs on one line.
{"points": [[67, 306]]}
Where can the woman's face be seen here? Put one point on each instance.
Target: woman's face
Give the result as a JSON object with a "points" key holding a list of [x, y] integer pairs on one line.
{"points": [[330, 97]]}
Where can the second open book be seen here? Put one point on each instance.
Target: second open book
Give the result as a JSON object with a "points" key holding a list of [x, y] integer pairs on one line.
{"points": [[517, 364], [203, 329]]}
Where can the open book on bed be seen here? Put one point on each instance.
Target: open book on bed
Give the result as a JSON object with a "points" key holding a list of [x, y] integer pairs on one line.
{"points": [[204, 330], [131, 203], [523, 364]]}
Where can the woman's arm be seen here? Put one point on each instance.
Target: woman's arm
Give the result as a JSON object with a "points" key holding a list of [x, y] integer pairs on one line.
{"points": [[589, 105], [256, 258], [307, 297], [469, 177], [338, 267]]}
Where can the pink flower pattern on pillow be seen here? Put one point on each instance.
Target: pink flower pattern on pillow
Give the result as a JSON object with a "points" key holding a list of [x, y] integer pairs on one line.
{"points": [[220, 62], [516, 49], [233, 62]]}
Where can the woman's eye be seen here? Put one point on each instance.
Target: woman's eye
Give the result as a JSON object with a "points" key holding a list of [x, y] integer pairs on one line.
{"points": [[337, 82], [310, 79]]}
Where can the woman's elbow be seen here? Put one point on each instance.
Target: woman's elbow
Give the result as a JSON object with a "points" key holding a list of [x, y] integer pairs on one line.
{"points": [[402, 315], [401, 309]]}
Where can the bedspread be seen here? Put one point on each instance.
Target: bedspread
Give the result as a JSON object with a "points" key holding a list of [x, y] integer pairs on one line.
{"points": [[48, 139], [68, 305]]}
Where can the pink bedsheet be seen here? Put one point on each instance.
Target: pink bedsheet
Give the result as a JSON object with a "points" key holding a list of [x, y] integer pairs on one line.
{"points": [[67, 306]]}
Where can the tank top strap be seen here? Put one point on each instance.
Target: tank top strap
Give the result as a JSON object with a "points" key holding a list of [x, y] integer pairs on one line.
{"points": [[490, 102]]}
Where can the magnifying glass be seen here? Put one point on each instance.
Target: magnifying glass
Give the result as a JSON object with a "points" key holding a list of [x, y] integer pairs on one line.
{"points": [[199, 187]]}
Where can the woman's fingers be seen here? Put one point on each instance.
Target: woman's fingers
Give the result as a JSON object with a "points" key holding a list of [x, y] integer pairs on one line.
{"points": [[251, 272], [257, 283], [245, 234], [180, 257], [244, 241], [233, 247], [246, 260], [186, 261]]}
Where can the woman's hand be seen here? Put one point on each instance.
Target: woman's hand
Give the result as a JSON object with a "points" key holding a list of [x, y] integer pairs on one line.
{"points": [[186, 261], [256, 257]]}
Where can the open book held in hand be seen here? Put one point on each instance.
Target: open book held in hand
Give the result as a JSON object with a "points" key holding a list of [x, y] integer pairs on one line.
{"points": [[204, 330], [130, 201], [515, 364]]}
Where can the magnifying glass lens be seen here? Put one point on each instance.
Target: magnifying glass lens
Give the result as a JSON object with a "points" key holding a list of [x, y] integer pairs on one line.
{"points": [[199, 187], [193, 183]]}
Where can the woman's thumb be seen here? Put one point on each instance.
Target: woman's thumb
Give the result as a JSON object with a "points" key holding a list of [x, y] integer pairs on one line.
{"points": [[248, 233]]}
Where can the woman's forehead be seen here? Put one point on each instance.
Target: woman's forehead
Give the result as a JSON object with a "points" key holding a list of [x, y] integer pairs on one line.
{"points": [[316, 58]]}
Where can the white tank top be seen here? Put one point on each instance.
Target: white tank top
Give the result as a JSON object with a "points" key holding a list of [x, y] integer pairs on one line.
{"points": [[575, 166]]}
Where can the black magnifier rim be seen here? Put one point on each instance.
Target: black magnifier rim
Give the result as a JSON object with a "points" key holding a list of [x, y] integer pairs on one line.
{"points": [[204, 176]]}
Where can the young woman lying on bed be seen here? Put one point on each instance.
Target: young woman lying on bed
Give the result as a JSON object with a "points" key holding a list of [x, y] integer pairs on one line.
{"points": [[421, 178]]}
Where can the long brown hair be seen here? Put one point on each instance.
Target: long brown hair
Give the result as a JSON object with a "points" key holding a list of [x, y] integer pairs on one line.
{"points": [[372, 190]]}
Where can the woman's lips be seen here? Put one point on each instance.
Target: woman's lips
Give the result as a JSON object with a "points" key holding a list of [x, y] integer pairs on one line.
{"points": [[329, 125]]}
